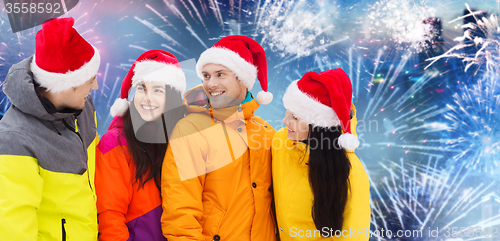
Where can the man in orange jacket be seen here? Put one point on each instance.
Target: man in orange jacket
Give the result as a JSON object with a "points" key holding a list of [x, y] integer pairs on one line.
{"points": [[216, 176]]}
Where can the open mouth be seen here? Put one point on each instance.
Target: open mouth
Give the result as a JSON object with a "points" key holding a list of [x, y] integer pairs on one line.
{"points": [[149, 107], [216, 93], [290, 130]]}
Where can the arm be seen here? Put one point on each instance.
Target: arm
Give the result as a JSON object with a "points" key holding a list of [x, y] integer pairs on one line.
{"points": [[20, 192], [113, 188], [182, 199]]}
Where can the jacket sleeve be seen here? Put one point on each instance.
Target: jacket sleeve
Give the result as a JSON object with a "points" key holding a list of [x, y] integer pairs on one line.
{"points": [[357, 213], [20, 192], [182, 199], [114, 189]]}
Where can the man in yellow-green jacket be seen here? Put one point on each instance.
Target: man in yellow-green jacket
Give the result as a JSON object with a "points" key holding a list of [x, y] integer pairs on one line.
{"points": [[48, 138]]}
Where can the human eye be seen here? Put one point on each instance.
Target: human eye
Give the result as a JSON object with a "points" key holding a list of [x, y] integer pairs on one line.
{"points": [[294, 117], [206, 76], [159, 91], [220, 74]]}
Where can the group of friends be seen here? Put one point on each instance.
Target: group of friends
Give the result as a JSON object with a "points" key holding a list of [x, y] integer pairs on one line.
{"points": [[176, 165]]}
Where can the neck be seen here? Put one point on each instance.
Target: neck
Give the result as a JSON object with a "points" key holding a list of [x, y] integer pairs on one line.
{"points": [[53, 98], [244, 98]]}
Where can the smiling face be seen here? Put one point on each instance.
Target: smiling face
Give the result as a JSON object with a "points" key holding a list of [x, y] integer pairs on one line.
{"points": [[222, 87], [298, 129], [149, 100]]}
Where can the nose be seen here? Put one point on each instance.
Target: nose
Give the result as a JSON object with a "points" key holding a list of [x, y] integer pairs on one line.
{"points": [[95, 85], [212, 83], [147, 96]]}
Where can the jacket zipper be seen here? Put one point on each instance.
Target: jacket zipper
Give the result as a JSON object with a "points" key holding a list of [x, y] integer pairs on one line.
{"points": [[259, 124], [72, 129], [83, 144], [63, 221]]}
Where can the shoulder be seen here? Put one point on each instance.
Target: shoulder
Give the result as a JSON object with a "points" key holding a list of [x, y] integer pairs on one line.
{"points": [[281, 144], [195, 118], [262, 123], [111, 139], [193, 122], [281, 133], [15, 142], [23, 66]]}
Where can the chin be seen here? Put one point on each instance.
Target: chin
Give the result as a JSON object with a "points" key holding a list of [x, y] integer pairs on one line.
{"points": [[147, 117], [218, 105], [80, 107], [291, 137]]}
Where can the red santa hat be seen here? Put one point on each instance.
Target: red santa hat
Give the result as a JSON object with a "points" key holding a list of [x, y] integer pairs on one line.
{"points": [[324, 100], [63, 59], [244, 57], [155, 66]]}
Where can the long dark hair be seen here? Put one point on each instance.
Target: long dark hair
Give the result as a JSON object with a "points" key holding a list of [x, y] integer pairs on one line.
{"points": [[329, 170], [148, 157]]}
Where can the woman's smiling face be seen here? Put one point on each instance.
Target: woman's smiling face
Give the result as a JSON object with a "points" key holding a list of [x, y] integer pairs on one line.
{"points": [[149, 100], [298, 129]]}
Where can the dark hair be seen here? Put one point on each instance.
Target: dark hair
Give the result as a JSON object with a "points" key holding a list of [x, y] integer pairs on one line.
{"points": [[148, 157], [329, 170]]}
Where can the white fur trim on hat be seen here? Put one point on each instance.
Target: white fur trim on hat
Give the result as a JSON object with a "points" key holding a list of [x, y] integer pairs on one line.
{"points": [[264, 97], [246, 72], [166, 74], [348, 141], [119, 107], [57, 82], [308, 109]]}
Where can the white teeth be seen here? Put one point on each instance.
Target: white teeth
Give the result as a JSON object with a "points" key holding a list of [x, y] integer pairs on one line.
{"points": [[290, 130], [149, 107], [216, 93]]}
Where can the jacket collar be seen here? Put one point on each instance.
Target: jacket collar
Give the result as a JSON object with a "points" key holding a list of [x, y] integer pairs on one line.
{"points": [[51, 109], [196, 101]]}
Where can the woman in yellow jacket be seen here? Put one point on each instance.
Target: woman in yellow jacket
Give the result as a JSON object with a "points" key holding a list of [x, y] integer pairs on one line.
{"points": [[321, 188]]}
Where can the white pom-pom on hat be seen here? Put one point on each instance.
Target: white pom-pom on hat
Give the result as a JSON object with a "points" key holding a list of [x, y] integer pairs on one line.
{"points": [[348, 141], [264, 97], [119, 107]]}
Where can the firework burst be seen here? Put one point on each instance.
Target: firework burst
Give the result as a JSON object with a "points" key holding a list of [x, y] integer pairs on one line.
{"points": [[294, 29], [398, 102], [474, 128], [422, 198], [408, 23], [483, 37]]}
